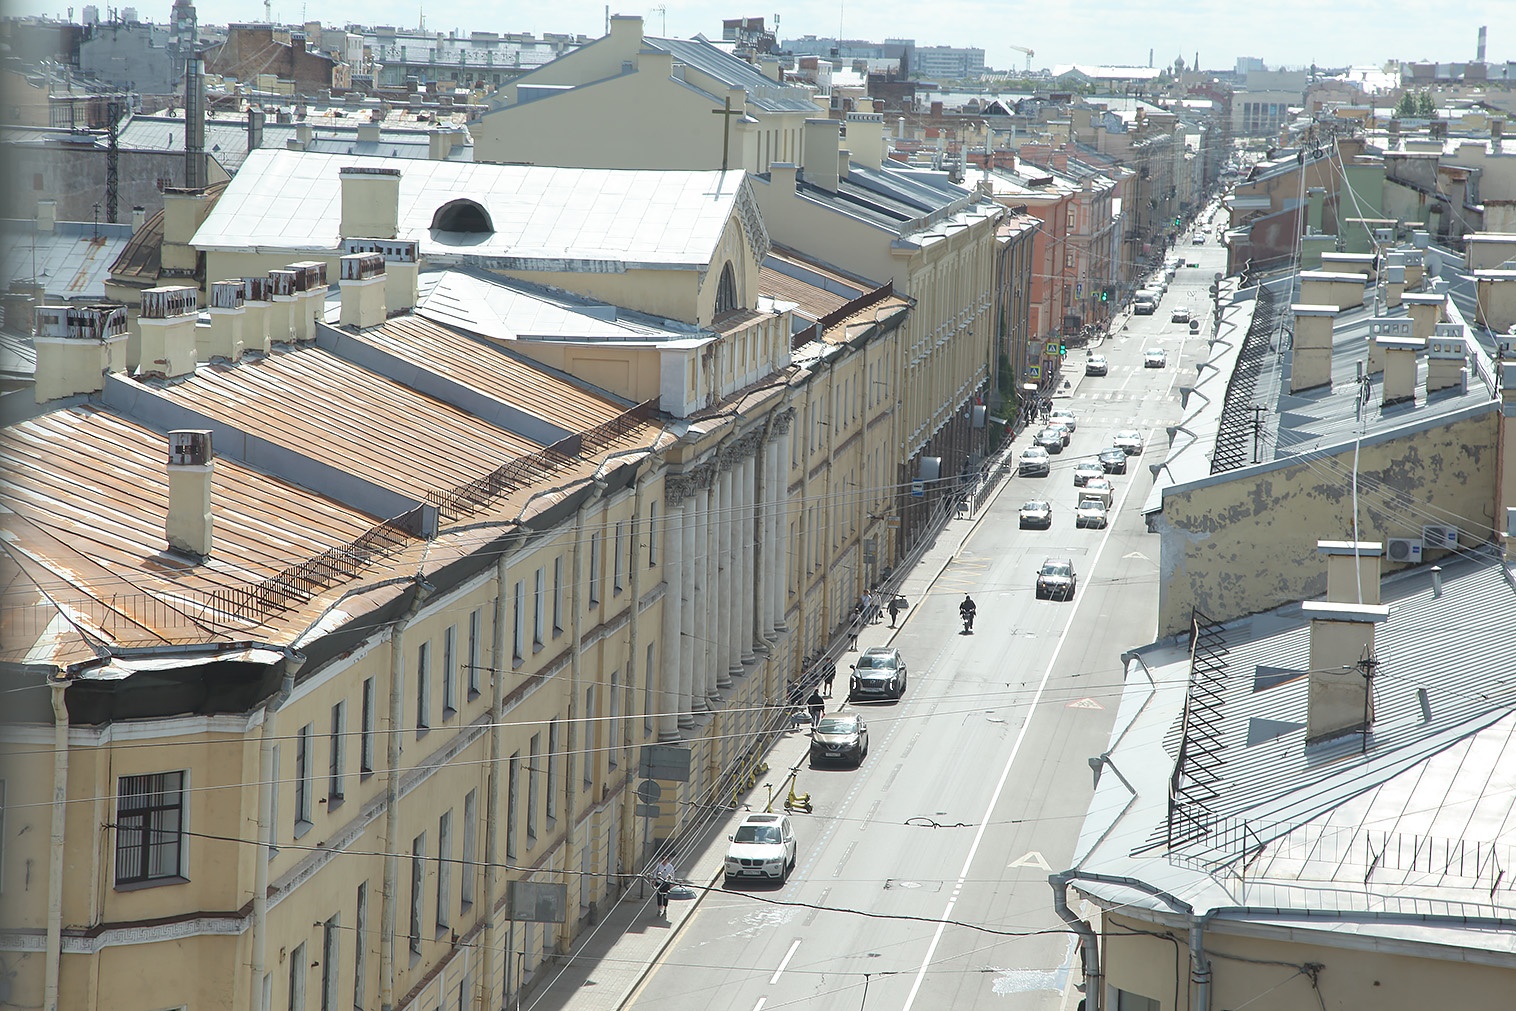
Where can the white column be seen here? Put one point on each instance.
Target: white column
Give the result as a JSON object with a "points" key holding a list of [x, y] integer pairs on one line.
{"points": [[729, 560], [668, 697], [690, 645], [715, 660], [781, 510], [764, 551], [747, 587]]}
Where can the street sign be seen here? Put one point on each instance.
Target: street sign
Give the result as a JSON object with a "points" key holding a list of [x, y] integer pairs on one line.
{"points": [[1079, 290], [536, 901], [664, 761], [918, 489], [649, 811], [1035, 371], [649, 790]]}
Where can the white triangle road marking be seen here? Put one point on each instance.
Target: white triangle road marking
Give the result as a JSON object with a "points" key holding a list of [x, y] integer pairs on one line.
{"points": [[1032, 859]]}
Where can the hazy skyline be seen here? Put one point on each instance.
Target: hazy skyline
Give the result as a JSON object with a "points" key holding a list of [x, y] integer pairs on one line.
{"points": [[1084, 31]]}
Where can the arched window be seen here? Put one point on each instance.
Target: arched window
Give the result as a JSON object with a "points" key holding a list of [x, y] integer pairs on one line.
{"points": [[726, 290], [462, 216]]}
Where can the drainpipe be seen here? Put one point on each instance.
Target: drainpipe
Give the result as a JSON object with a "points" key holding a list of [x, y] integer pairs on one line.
{"points": [[266, 787], [423, 590], [488, 1000], [1089, 946], [1200, 966], [55, 857]]}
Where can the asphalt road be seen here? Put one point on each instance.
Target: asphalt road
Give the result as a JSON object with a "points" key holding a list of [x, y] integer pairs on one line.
{"points": [[922, 876]]}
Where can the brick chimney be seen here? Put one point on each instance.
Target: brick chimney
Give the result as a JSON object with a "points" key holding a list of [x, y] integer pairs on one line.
{"points": [[1311, 347], [363, 282], [281, 314], [370, 202], [191, 466], [819, 165], [227, 318], [1399, 367], [167, 323], [1342, 637], [310, 297], [76, 346], [257, 303]]}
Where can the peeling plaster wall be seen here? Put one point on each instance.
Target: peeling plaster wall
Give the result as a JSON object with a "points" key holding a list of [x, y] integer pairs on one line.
{"points": [[1248, 544]]}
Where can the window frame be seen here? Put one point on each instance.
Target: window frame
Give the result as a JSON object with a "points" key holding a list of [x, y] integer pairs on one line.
{"points": [[366, 730], [155, 784], [336, 772]]}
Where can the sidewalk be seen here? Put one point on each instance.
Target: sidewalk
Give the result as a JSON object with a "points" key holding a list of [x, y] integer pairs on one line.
{"points": [[612, 958]]}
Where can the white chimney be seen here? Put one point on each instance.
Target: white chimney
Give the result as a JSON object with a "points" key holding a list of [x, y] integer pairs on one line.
{"points": [[47, 215], [363, 281], [310, 297], [227, 317], [191, 466], [257, 303], [1342, 640], [281, 314], [139, 218], [1399, 367], [76, 346], [370, 202], [167, 325], [865, 138]]}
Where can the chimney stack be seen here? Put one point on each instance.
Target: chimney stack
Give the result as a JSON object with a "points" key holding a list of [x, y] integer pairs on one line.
{"points": [[1425, 311], [363, 282], [227, 316], [76, 346], [865, 138], [1311, 347], [1399, 367], [1342, 639], [281, 315], [310, 297], [439, 144], [47, 215], [257, 301], [1447, 358], [256, 117], [819, 165], [167, 324], [139, 218], [370, 202], [191, 466]]}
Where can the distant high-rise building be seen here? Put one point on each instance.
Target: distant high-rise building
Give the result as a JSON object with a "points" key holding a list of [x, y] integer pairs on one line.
{"points": [[91, 14]]}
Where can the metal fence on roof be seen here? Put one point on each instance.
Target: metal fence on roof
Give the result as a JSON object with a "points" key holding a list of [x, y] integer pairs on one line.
{"points": [[1236, 427]]}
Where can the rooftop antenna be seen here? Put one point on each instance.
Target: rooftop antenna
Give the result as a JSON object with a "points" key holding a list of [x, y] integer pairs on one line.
{"points": [[268, 11], [664, 11]]}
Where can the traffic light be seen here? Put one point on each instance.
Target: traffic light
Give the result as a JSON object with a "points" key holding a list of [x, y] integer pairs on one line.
{"points": [[1063, 349], [1105, 294]]}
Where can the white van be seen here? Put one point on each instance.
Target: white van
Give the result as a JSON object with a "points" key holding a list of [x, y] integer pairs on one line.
{"points": [[1145, 302]]}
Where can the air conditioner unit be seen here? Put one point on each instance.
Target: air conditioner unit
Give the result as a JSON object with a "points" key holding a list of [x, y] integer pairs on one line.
{"points": [[1406, 550], [1440, 537]]}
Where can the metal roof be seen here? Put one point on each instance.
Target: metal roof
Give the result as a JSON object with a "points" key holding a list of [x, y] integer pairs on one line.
{"points": [[762, 92], [816, 290], [1378, 840], [85, 500], [72, 261], [544, 218]]}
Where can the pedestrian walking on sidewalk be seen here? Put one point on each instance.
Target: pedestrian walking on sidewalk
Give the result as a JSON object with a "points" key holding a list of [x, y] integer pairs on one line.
{"points": [[896, 603], [817, 705], [663, 883], [828, 674]]}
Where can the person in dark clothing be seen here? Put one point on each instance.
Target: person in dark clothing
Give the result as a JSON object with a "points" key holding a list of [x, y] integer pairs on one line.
{"points": [[895, 605], [817, 705]]}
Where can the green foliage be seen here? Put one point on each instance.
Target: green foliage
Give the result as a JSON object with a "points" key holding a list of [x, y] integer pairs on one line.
{"points": [[1406, 107], [1425, 107]]}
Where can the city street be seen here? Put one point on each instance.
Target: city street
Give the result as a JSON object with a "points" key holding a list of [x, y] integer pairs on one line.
{"points": [[922, 876]]}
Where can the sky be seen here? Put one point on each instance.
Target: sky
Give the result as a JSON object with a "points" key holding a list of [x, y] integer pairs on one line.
{"points": [[1111, 32]]}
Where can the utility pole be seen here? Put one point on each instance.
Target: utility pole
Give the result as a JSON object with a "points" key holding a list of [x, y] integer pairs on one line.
{"points": [[112, 161], [1367, 666]]}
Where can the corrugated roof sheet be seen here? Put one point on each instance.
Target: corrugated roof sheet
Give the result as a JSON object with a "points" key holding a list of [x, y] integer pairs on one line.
{"points": [[543, 217], [763, 92], [72, 261], [504, 308]]}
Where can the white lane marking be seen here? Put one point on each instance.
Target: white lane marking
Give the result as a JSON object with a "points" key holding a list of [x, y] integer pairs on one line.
{"points": [[761, 1001], [782, 963], [1005, 773]]}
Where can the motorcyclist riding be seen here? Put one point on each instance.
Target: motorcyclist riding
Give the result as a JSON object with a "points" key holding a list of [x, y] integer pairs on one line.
{"points": [[966, 611]]}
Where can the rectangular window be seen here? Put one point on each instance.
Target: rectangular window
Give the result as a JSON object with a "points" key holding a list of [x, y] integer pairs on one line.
{"points": [[423, 688], [470, 832], [444, 870], [557, 595], [518, 633], [539, 604], [418, 879], [512, 808], [475, 623], [652, 534], [450, 673], [297, 978], [150, 828], [303, 776], [360, 946], [338, 751], [366, 731], [552, 769], [589, 735], [534, 756], [616, 561], [331, 963], [613, 728], [594, 568]]}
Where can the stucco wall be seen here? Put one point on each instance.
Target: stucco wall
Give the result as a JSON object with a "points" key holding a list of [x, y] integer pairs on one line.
{"points": [[1248, 543]]}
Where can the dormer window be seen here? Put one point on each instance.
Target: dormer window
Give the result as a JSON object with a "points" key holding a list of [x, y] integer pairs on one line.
{"points": [[462, 216]]}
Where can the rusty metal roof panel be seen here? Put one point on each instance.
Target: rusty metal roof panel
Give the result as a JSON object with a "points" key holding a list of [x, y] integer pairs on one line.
{"points": [[315, 403], [486, 368], [85, 499]]}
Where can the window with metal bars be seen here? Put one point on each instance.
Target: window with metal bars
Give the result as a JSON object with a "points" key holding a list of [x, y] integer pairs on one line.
{"points": [[150, 828]]}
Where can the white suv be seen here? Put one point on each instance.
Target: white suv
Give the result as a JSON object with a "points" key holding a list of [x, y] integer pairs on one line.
{"points": [[762, 847]]}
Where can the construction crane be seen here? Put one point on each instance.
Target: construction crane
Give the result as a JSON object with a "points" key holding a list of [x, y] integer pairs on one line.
{"points": [[1029, 55]]}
